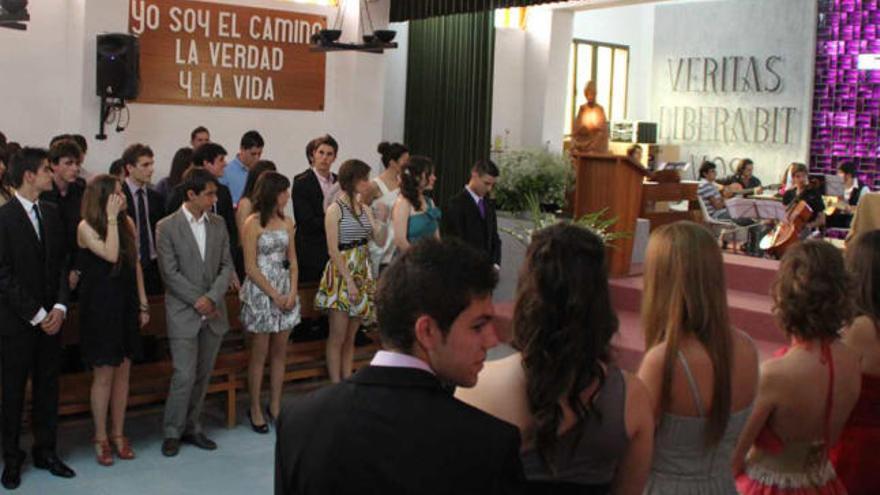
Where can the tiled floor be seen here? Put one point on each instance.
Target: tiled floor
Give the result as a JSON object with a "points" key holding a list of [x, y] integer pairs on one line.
{"points": [[243, 463]]}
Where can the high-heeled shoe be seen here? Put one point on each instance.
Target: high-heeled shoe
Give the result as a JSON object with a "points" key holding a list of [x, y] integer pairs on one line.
{"points": [[123, 448], [261, 429], [270, 418], [103, 454]]}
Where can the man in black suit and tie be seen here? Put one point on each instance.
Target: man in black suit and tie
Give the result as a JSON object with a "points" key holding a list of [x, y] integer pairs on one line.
{"points": [[66, 194], [146, 208], [470, 214], [393, 427], [33, 305], [212, 157], [310, 188]]}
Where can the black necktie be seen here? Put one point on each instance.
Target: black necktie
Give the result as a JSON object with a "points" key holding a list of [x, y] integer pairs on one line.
{"points": [[39, 222], [143, 228]]}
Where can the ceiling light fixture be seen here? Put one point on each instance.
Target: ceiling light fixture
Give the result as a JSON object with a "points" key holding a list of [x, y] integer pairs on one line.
{"points": [[327, 40], [13, 14]]}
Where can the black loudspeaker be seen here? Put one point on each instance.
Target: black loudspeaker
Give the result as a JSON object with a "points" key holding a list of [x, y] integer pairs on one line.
{"points": [[646, 132], [118, 73]]}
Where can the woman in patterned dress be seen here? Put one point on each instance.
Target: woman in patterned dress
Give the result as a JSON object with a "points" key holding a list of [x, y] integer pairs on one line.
{"points": [[347, 284], [269, 306]]}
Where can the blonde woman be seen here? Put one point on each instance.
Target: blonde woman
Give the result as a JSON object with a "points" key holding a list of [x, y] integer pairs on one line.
{"points": [[701, 373]]}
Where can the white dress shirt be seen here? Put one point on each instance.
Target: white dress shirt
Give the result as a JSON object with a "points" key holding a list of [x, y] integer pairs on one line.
{"points": [[28, 206], [198, 229]]}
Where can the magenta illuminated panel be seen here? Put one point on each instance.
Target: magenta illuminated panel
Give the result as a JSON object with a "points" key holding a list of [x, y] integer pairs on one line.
{"points": [[846, 100]]}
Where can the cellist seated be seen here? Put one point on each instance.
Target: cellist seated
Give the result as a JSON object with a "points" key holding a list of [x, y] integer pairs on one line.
{"points": [[804, 191]]}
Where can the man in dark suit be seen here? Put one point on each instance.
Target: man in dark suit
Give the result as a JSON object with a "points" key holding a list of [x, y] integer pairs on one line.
{"points": [[146, 207], [310, 188], [393, 427], [212, 157], [66, 194], [33, 305], [470, 214]]}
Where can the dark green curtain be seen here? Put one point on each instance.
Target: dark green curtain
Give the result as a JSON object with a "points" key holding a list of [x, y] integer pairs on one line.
{"points": [[449, 94], [407, 10]]}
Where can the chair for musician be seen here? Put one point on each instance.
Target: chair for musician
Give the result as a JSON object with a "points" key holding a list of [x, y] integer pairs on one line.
{"points": [[723, 229]]}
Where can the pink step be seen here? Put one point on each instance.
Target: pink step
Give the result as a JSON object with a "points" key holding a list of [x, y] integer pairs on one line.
{"points": [[749, 311], [748, 274], [629, 343]]}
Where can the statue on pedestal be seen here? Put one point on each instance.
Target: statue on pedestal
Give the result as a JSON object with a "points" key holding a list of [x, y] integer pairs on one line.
{"points": [[590, 133]]}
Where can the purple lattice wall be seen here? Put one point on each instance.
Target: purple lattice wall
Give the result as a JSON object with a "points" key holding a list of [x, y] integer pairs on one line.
{"points": [[846, 100]]}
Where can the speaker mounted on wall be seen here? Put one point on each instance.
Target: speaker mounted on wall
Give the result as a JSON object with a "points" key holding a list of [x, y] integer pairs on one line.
{"points": [[117, 76]]}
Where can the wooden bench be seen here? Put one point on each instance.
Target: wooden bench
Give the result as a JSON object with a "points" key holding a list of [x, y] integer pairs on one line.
{"points": [[149, 382]]}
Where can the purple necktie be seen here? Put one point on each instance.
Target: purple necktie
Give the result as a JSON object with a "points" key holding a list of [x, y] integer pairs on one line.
{"points": [[481, 204]]}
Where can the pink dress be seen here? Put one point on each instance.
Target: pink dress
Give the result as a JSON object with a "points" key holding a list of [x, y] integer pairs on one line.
{"points": [[794, 468]]}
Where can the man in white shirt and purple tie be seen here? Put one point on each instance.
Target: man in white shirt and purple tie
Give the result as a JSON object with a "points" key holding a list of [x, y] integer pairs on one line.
{"points": [[470, 214]]}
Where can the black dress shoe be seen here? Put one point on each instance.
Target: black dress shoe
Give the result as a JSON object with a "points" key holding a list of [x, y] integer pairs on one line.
{"points": [[270, 418], [54, 465], [199, 440], [11, 475], [170, 447], [262, 429]]}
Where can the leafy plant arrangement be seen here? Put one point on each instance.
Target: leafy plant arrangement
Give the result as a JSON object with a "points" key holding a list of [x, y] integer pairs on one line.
{"points": [[546, 176], [540, 219]]}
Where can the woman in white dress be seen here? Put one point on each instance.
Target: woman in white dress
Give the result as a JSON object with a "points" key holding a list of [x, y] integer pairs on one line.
{"points": [[383, 192]]}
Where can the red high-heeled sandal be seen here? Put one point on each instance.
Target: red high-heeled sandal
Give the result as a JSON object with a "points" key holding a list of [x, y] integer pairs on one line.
{"points": [[103, 454], [123, 448]]}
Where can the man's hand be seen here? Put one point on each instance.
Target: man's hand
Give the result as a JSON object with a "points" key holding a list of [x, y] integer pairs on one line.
{"points": [[53, 321], [234, 283], [204, 306]]}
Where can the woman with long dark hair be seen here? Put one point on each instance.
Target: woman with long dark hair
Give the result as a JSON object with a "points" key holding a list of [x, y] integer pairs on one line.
{"points": [[181, 161], [807, 394], [347, 284], [586, 424], [112, 304], [701, 373], [269, 304], [246, 202], [855, 457], [414, 215]]}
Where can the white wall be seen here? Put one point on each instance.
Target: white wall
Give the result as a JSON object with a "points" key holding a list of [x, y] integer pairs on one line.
{"points": [[395, 85], [632, 26], [52, 91], [508, 89], [527, 87], [753, 28]]}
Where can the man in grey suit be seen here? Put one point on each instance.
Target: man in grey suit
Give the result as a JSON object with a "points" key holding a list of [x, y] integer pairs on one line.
{"points": [[195, 263]]}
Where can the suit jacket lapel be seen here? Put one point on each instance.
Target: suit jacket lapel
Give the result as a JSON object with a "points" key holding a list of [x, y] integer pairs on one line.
{"points": [[211, 242], [25, 220]]}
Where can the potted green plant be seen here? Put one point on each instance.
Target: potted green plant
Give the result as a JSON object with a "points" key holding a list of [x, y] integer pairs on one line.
{"points": [[538, 219], [544, 175]]}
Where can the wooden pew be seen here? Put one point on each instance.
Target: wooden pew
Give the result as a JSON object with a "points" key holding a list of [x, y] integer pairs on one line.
{"points": [[149, 381]]}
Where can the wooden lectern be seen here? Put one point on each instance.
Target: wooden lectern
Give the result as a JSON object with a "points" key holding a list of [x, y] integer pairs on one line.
{"points": [[613, 182]]}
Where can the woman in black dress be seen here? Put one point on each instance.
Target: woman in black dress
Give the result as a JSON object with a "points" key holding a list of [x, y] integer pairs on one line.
{"points": [[112, 305]]}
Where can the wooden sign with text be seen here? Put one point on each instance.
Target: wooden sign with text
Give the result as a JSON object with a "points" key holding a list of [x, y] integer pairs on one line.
{"points": [[198, 53]]}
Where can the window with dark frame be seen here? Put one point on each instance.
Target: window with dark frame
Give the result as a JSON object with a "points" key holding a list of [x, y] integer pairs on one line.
{"points": [[608, 65]]}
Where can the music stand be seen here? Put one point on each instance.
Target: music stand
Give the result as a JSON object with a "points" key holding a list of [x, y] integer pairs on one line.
{"points": [[757, 209]]}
